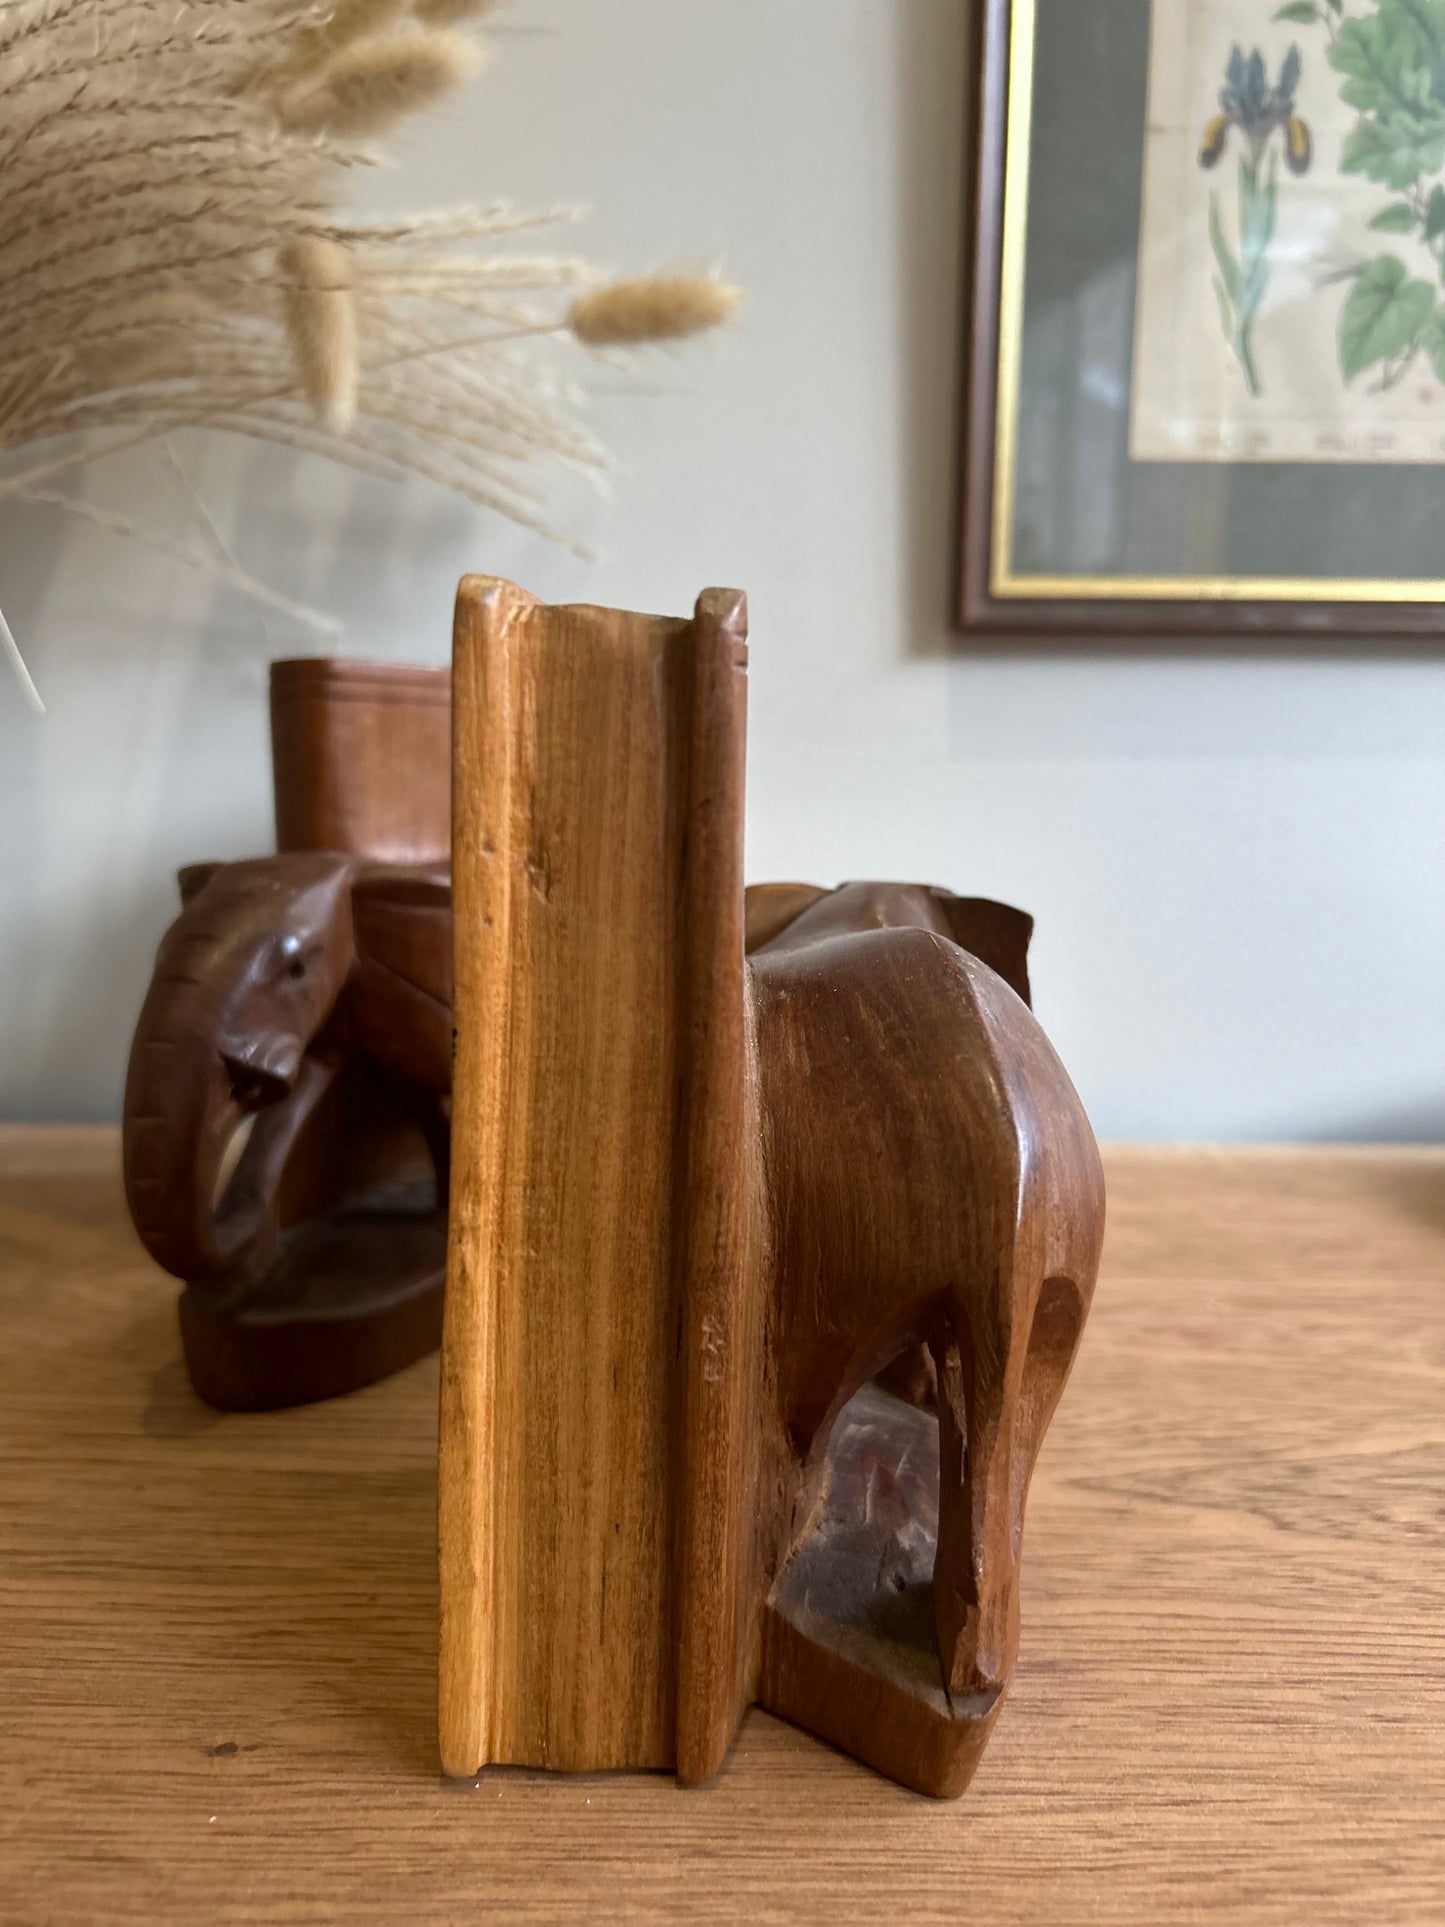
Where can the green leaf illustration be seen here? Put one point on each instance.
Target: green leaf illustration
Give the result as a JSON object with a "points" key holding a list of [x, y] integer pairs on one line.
{"points": [[1426, 17], [1226, 309], [1385, 314], [1304, 11], [1258, 207], [1398, 218], [1417, 24], [1395, 152], [1433, 342], [1254, 285], [1223, 253], [1386, 56], [1371, 77]]}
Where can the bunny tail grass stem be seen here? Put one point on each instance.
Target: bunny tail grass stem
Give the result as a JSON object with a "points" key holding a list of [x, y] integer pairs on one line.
{"points": [[19, 485], [659, 308], [23, 486], [321, 321], [208, 526], [10, 649], [368, 88], [233, 578]]}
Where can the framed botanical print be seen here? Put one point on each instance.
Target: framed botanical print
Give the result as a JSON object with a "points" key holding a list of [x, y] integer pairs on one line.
{"points": [[1206, 382]]}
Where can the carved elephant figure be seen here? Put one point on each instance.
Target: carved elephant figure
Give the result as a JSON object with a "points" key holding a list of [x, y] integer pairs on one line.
{"points": [[277, 974], [938, 1232], [932, 1179], [283, 971]]}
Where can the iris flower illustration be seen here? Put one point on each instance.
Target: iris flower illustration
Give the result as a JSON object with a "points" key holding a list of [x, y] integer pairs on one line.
{"points": [[1258, 112], [1249, 103]]}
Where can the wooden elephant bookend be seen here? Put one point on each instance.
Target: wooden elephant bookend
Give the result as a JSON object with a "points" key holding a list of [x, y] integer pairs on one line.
{"points": [[702, 1195], [306, 999], [285, 1123]]}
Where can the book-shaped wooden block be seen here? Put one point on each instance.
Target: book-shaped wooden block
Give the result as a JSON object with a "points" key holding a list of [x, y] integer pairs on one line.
{"points": [[701, 1196]]}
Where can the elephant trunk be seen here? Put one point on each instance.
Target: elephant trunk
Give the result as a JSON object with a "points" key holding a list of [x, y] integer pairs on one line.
{"points": [[182, 1111], [186, 1097]]}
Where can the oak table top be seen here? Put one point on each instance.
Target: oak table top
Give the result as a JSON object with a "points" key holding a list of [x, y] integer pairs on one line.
{"points": [[218, 1634]]}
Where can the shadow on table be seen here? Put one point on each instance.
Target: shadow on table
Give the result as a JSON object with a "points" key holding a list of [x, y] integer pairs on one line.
{"points": [[1417, 1190], [312, 1535], [172, 1410]]}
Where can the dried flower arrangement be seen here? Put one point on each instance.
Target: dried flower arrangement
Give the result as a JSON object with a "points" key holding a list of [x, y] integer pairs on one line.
{"points": [[173, 254]]}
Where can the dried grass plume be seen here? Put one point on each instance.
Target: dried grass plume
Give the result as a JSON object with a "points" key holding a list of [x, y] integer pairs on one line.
{"points": [[451, 13], [369, 87], [321, 320], [661, 308], [174, 253]]}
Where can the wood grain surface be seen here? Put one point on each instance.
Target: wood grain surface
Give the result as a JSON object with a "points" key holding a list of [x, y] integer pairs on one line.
{"points": [[218, 1632], [590, 905]]}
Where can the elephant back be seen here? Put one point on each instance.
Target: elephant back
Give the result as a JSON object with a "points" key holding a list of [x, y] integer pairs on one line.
{"points": [[789, 915], [402, 989]]}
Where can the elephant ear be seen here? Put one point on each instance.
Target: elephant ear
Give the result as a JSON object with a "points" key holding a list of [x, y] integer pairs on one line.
{"points": [[403, 986], [771, 907], [193, 879], [995, 933]]}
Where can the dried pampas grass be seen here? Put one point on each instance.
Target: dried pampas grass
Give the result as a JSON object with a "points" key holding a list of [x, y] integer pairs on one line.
{"points": [[451, 13], [348, 22], [173, 253]]}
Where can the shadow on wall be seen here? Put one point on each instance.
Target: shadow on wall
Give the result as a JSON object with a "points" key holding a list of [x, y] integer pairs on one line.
{"points": [[155, 685], [1420, 1123], [932, 114], [31, 559], [381, 557]]}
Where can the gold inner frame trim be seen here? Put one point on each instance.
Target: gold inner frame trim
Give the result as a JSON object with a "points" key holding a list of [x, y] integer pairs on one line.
{"points": [[1005, 583]]}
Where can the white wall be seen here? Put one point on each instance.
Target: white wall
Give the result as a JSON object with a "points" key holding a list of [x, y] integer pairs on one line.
{"points": [[1235, 862]]}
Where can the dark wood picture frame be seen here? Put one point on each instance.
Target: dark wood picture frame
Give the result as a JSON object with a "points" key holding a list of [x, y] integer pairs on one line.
{"points": [[980, 611]]}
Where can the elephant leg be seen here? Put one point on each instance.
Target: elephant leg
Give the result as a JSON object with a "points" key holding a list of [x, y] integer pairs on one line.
{"points": [[975, 1589], [251, 1195], [994, 1406]]}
